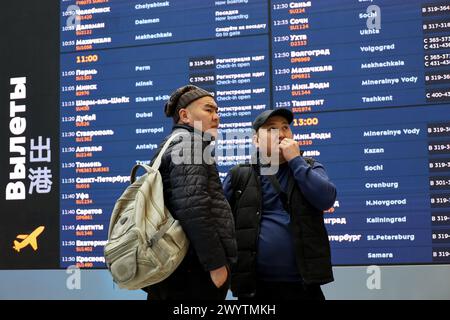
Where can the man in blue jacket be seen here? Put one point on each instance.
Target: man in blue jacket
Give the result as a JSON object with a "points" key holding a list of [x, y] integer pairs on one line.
{"points": [[283, 246]]}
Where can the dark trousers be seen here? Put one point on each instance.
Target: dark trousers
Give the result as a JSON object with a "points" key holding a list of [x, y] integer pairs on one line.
{"points": [[189, 282], [281, 291]]}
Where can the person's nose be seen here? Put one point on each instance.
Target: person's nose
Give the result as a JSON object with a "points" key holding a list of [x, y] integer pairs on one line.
{"points": [[216, 117]]}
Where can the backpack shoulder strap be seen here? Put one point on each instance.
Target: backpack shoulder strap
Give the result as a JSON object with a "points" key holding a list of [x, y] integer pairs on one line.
{"points": [[240, 176], [281, 193], [156, 162]]}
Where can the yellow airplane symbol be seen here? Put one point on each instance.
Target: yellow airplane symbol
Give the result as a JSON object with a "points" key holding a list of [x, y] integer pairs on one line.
{"points": [[28, 239]]}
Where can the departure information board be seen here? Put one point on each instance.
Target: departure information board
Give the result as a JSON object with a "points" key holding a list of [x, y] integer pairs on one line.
{"points": [[367, 81]]}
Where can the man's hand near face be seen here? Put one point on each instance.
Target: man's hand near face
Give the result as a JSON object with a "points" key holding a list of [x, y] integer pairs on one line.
{"points": [[289, 149]]}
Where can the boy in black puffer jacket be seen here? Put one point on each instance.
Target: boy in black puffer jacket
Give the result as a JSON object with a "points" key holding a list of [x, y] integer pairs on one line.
{"points": [[193, 194]]}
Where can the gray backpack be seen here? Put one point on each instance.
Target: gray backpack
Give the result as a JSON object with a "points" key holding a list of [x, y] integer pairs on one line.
{"points": [[145, 243]]}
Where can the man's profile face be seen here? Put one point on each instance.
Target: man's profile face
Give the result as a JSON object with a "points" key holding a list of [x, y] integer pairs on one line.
{"points": [[202, 114], [270, 134]]}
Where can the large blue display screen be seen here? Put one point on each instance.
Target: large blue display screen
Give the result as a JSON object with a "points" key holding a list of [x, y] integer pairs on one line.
{"points": [[368, 82]]}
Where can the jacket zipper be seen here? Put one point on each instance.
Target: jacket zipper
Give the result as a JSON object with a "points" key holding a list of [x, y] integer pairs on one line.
{"points": [[258, 225]]}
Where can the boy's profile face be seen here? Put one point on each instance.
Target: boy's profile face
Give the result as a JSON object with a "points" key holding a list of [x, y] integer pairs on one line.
{"points": [[201, 114]]}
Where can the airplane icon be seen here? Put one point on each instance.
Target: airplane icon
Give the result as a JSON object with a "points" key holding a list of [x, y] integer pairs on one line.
{"points": [[28, 239]]}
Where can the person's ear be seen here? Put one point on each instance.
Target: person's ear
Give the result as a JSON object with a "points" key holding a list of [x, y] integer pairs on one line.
{"points": [[184, 115], [256, 140]]}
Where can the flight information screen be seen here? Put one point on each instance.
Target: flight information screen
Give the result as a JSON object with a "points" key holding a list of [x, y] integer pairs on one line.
{"points": [[367, 81]]}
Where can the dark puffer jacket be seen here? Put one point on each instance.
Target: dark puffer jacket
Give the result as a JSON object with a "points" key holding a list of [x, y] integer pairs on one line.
{"points": [[193, 194]]}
